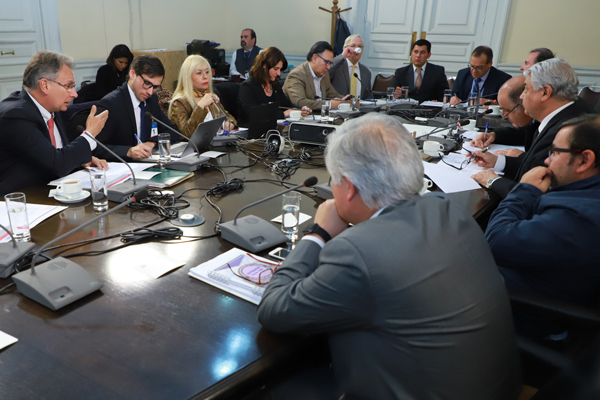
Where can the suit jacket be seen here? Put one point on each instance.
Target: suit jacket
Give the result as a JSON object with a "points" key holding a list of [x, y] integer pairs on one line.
{"points": [[491, 86], [27, 157], [118, 133], [516, 167], [300, 88], [512, 136], [432, 87], [340, 77], [410, 308]]}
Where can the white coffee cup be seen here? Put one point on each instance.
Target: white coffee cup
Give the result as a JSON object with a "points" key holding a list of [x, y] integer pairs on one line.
{"points": [[427, 184], [345, 107], [431, 147], [295, 114], [495, 110], [70, 188]]}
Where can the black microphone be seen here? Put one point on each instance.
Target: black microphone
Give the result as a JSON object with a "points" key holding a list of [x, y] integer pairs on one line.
{"points": [[218, 104], [187, 164], [462, 122], [9, 253], [256, 234], [59, 282], [362, 84], [121, 192]]}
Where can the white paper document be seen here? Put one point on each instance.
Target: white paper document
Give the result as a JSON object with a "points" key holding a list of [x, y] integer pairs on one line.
{"points": [[450, 180], [155, 265], [116, 173], [35, 212], [302, 218], [6, 340], [213, 154], [432, 104]]}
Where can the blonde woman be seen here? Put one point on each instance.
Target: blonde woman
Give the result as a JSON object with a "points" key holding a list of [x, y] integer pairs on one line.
{"points": [[194, 101]]}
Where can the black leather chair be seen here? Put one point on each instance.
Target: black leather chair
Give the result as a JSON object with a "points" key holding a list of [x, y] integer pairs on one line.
{"points": [[228, 93], [76, 114]]}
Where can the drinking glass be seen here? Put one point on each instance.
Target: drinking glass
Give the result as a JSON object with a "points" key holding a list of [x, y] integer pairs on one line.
{"points": [[325, 107], [164, 148], [99, 191], [16, 206], [290, 215]]}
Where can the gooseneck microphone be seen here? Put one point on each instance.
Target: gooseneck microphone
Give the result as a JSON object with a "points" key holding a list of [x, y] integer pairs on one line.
{"points": [[218, 104], [368, 89], [9, 253], [254, 233], [462, 122], [121, 192], [59, 282]]}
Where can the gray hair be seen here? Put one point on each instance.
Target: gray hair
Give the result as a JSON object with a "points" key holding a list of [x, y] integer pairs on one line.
{"points": [[377, 154], [45, 64], [349, 38], [556, 73]]}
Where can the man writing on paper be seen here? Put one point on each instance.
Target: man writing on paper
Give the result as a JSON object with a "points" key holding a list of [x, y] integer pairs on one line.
{"points": [[544, 235], [548, 97], [346, 65], [425, 81], [34, 148], [308, 84], [410, 308], [128, 132]]}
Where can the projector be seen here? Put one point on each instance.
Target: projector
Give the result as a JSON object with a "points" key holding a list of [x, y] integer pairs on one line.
{"points": [[310, 132]]}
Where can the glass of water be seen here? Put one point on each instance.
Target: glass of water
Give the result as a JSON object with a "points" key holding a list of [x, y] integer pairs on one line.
{"points": [[164, 148], [16, 206], [325, 107], [472, 99], [447, 97], [404, 95], [290, 215], [99, 191], [390, 95]]}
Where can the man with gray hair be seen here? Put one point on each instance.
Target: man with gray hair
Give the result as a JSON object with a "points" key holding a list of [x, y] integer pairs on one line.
{"points": [[34, 148], [549, 96], [412, 310], [346, 65]]}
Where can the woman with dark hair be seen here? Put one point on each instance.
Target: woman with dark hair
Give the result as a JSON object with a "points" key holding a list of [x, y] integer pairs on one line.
{"points": [[262, 87], [114, 73]]}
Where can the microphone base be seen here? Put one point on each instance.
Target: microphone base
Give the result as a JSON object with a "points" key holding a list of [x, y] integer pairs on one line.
{"points": [[56, 283], [224, 140], [123, 191], [252, 233], [449, 144], [10, 254], [188, 164], [324, 191]]}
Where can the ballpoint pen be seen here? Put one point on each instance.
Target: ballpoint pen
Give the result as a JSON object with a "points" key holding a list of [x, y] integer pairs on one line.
{"points": [[487, 125], [137, 138]]}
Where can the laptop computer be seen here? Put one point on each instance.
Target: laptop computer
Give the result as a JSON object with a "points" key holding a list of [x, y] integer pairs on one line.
{"points": [[202, 136], [261, 119]]}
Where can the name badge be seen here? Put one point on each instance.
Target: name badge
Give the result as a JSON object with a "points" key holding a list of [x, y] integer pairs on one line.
{"points": [[154, 131]]}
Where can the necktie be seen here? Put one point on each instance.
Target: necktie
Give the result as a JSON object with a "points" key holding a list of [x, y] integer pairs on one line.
{"points": [[419, 79], [476, 86], [247, 54], [353, 82], [51, 130], [143, 133]]}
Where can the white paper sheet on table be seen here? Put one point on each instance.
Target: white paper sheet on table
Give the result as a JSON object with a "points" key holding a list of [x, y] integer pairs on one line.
{"points": [[116, 173], [302, 218], [155, 266], [35, 212], [432, 104], [213, 154], [6, 340], [450, 180]]}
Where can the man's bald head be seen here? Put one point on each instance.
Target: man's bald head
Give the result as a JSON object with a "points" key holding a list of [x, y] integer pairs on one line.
{"points": [[510, 102]]}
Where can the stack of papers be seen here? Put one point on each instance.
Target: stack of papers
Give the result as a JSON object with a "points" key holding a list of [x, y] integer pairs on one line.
{"points": [[116, 173]]}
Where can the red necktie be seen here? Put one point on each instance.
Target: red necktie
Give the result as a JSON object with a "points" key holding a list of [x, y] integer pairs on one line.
{"points": [[51, 131]]}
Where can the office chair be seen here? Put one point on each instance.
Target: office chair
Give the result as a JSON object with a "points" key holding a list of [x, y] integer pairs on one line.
{"points": [[76, 114], [382, 82], [590, 96], [228, 93]]}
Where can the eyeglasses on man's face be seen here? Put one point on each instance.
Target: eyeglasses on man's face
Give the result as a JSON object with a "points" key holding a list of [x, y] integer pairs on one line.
{"points": [[505, 114], [553, 150], [146, 84], [478, 69], [326, 61], [67, 86]]}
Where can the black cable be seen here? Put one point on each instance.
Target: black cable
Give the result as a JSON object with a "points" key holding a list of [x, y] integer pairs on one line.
{"points": [[165, 205], [6, 287]]}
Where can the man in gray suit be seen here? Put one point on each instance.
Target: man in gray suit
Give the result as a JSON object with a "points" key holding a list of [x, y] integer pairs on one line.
{"points": [[410, 296], [346, 65]]}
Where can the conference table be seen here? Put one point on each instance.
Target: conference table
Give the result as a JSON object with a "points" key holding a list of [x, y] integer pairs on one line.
{"points": [[174, 337]]}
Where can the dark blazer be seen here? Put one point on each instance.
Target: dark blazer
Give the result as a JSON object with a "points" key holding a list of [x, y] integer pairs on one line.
{"points": [[118, 132], [340, 77], [27, 157], [432, 87], [252, 94], [396, 312], [516, 167], [491, 86], [512, 136]]}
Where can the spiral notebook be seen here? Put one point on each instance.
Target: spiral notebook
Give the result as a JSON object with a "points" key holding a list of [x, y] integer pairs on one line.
{"points": [[237, 272]]}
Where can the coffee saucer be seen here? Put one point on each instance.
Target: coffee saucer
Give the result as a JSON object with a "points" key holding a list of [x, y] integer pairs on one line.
{"points": [[82, 196]]}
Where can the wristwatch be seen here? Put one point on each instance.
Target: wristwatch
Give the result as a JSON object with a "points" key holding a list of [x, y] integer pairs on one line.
{"points": [[319, 231], [491, 181]]}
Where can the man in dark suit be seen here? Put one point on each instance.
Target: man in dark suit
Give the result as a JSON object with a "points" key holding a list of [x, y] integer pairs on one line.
{"points": [[480, 74], [402, 322], [34, 148], [346, 65], [128, 132], [243, 58], [548, 97], [425, 81]]}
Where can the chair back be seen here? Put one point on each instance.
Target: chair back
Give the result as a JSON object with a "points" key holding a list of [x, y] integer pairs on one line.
{"points": [[451, 83], [228, 93], [590, 96], [382, 82]]}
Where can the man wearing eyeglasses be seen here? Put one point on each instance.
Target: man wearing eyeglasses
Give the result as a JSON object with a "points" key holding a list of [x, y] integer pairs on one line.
{"points": [[346, 65], [425, 81], [480, 76], [548, 97], [128, 132], [308, 84], [34, 147], [544, 235]]}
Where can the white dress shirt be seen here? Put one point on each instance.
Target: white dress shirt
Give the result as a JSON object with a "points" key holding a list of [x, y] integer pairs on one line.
{"points": [[317, 82]]}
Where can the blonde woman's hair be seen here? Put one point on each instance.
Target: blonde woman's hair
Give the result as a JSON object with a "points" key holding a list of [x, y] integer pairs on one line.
{"points": [[185, 88]]}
